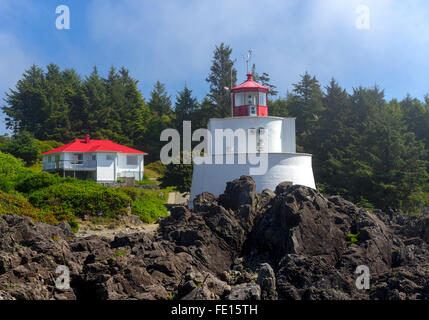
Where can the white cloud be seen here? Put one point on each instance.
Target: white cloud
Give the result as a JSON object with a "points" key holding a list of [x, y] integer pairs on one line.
{"points": [[174, 40]]}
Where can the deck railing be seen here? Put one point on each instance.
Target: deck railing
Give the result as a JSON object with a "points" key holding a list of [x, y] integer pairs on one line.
{"points": [[70, 164]]}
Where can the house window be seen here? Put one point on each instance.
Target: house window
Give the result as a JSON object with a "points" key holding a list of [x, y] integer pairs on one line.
{"points": [[77, 158], [131, 160], [49, 159], [109, 157], [93, 157]]}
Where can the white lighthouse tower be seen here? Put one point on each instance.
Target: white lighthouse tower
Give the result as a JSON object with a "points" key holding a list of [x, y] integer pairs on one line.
{"points": [[274, 146]]}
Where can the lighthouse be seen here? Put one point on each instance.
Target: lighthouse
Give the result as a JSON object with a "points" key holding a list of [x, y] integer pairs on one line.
{"points": [[250, 143]]}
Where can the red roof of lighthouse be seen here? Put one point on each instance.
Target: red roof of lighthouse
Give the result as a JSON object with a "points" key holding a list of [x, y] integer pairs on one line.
{"points": [[250, 84], [89, 145]]}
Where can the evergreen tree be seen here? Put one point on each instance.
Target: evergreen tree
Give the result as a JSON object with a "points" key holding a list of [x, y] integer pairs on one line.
{"points": [[23, 146], [159, 101], [305, 103], [94, 97], [162, 117], [331, 139], [27, 104], [416, 117], [278, 107], [185, 107]]}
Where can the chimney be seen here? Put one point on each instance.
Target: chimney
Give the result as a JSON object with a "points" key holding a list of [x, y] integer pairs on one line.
{"points": [[87, 138]]}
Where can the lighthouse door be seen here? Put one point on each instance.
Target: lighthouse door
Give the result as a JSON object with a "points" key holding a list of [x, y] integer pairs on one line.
{"points": [[252, 110]]}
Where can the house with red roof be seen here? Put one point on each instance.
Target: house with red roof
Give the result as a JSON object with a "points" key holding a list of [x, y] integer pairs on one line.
{"points": [[99, 160]]}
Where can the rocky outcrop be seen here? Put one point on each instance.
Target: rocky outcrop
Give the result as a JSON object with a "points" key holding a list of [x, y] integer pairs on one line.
{"points": [[293, 243]]}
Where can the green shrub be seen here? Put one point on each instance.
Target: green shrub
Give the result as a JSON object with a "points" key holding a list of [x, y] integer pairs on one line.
{"points": [[130, 192], [37, 181], [11, 170], [178, 175], [352, 238], [23, 146], [364, 203], [18, 205], [10, 166], [45, 146], [119, 253], [80, 198]]}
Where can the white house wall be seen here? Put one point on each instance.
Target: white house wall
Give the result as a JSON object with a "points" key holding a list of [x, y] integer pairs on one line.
{"points": [[125, 170], [106, 168]]}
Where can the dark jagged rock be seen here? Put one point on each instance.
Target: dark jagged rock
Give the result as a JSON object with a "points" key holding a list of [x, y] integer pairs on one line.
{"points": [[302, 221], [267, 282], [293, 243], [283, 187], [239, 192], [311, 278], [245, 291], [202, 286]]}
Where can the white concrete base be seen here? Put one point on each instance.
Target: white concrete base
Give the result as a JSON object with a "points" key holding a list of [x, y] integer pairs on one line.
{"points": [[293, 167]]}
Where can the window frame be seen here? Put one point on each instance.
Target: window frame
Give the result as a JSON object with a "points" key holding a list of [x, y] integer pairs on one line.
{"points": [[264, 95], [240, 95], [129, 157]]}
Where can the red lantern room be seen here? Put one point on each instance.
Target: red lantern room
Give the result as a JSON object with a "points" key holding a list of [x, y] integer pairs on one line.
{"points": [[250, 99]]}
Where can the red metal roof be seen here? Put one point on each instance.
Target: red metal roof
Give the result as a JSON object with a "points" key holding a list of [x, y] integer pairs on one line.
{"points": [[84, 145], [249, 84]]}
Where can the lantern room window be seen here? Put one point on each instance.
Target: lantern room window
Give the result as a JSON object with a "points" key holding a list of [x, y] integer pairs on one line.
{"points": [[251, 99], [239, 99], [262, 99]]}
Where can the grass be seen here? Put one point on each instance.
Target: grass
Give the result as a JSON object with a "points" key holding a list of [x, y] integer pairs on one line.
{"points": [[171, 296], [154, 170], [147, 182], [119, 253], [352, 238], [149, 204]]}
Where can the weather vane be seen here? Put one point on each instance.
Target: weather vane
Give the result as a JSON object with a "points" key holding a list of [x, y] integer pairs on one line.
{"points": [[247, 59]]}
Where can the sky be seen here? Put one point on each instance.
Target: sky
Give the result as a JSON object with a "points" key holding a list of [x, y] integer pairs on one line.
{"points": [[359, 43]]}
